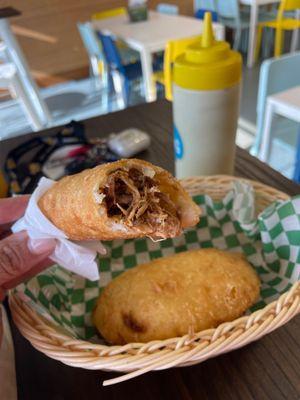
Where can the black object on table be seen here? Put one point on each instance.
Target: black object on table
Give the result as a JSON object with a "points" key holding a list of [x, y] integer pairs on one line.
{"points": [[268, 369], [7, 12], [24, 164]]}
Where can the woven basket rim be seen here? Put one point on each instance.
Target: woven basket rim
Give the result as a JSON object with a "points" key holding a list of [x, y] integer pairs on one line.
{"points": [[185, 350]]}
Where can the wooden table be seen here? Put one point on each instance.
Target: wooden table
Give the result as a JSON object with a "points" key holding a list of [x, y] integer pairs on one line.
{"points": [[151, 36], [265, 370]]}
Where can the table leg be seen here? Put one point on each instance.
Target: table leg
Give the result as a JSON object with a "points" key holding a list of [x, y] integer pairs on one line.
{"points": [[26, 104], [252, 34], [17, 58], [295, 36], [149, 84], [266, 137], [220, 33]]}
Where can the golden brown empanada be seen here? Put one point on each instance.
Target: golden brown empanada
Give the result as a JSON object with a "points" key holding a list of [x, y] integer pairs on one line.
{"points": [[176, 295], [124, 199]]}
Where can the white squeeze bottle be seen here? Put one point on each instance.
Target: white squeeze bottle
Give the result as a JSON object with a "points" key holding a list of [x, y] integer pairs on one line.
{"points": [[206, 96]]}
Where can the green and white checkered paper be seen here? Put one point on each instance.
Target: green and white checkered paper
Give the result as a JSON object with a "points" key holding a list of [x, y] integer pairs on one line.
{"points": [[271, 243]]}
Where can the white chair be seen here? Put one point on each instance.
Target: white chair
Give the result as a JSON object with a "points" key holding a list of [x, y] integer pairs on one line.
{"points": [[204, 4], [276, 75], [98, 69], [9, 79], [286, 104]]}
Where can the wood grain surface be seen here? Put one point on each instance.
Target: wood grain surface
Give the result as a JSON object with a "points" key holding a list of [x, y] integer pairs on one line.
{"points": [[265, 370]]}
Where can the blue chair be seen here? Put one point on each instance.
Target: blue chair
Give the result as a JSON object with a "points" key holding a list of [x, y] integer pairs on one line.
{"points": [[199, 14], [230, 15], [166, 8], [276, 75], [202, 6], [122, 75], [95, 53]]}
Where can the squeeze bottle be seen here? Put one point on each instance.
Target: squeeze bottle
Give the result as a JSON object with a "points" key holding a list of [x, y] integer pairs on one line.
{"points": [[206, 96]]}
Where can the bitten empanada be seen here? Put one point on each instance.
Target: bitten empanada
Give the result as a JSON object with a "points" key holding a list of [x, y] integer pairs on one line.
{"points": [[120, 200]]}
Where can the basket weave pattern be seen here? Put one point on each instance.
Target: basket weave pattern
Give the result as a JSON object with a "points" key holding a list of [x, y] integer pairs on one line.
{"points": [[138, 358]]}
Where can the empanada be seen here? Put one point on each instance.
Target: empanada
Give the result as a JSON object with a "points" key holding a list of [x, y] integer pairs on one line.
{"points": [[121, 200], [172, 296]]}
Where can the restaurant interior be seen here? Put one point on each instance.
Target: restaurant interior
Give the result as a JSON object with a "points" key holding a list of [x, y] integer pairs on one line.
{"points": [[208, 90]]}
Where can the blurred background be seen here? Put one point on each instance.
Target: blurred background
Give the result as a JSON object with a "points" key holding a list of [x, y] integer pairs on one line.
{"points": [[73, 60]]}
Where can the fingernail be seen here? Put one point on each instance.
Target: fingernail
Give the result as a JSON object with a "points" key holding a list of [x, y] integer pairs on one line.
{"points": [[41, 246]]}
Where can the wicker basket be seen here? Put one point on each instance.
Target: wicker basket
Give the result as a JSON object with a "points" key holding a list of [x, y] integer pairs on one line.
{"points": [[138, 358]]}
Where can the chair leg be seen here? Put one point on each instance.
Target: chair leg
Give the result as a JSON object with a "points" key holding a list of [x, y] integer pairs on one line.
{"points": [[119, 89], [123, 88], [94, 66], [126, 89], [258, 41], [278, 42], [94, 72], [266, 42], [264, 151], [271, 40], [107, 89], [294, 42], [237, 38], [26, 103], [244, 40], [296, 176]]}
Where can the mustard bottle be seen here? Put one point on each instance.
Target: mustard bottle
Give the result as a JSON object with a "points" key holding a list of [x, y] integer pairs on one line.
{"points": [[206, 96]]}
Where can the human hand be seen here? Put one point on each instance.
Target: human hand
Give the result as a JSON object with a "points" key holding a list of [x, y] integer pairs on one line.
{"points": [[18, 261]]}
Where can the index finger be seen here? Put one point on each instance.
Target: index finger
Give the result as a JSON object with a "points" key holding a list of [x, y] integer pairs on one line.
{"points": [[12, 208]]}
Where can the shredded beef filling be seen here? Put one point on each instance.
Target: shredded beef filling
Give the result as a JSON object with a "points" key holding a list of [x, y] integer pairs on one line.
{"points": [[137, 199]]}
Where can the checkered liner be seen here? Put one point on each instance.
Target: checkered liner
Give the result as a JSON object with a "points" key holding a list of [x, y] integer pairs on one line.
{"points": [[270, 243]]}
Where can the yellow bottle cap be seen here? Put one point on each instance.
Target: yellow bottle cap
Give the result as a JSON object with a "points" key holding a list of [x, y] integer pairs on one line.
{"points": [[209, 64]]}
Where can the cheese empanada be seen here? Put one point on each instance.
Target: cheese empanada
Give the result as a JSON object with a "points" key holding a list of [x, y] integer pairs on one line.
{"points": [[176, 295]]}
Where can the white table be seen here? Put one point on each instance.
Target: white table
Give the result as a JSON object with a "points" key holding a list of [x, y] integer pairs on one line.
{"points": [[254, 4], [151, 36], [286, 104]]}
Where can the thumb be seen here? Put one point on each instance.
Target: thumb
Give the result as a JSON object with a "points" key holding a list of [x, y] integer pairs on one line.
{"points": [[16, 258]]}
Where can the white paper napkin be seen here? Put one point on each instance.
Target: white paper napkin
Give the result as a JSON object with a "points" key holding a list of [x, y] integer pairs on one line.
{"points": [[78, 257]]}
